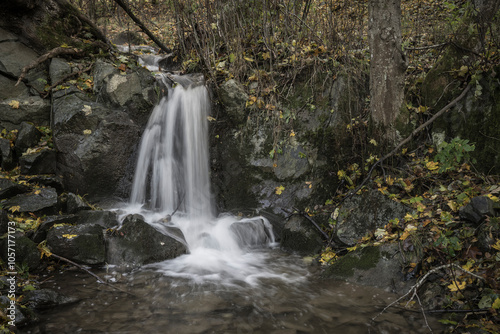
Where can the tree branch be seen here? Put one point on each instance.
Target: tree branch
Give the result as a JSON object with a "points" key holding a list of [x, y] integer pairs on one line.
{"points": [[141, 25]]}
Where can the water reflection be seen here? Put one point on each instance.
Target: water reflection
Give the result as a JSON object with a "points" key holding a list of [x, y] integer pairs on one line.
{"points": [[166, 304]]}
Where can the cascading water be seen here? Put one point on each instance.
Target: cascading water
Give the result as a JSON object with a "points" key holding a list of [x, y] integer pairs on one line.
{"points": [[172, 180]]}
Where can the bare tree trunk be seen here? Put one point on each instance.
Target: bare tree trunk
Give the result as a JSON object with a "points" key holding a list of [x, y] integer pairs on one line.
{"points": [[387, 63]]}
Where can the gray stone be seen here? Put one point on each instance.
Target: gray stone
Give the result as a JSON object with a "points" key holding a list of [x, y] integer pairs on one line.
{"points": [[9, 188], [106, 219], [234, 98], [364, 213], [81, 243], [252, 232], [137, 243], [9, 90], [74, 204], [18, 317], [31, 109], [26, 251], [46, 298], [4, 222], [477, 210], [299, 235], [42, 230], [43, 199], [28, 136], [7, 157], [58, 69], [41, 162], [14, 56], [291, 163]]}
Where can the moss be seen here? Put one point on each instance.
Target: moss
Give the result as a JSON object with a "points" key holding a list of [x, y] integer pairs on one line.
{"points": [[363, 259]]}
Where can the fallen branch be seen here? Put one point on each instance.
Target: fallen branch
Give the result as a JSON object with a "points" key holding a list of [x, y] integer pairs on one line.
{"points": [[70, 75], [51, 54], [141, 25], [413, 290], [89, 272]]}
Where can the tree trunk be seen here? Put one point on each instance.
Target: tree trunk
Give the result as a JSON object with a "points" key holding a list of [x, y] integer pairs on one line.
{"points": [[387, 63]]}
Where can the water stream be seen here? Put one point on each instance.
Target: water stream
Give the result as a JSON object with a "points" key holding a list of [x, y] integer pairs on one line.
{"points": [[234, 279]]}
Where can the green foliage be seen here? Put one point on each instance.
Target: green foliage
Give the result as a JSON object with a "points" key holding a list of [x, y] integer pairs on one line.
{"points": [[452, 155]]}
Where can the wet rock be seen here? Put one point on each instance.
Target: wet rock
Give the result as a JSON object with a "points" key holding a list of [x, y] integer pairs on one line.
{"points": [[234, 98], [41, 162], [58, 69], [31, 109], [10, 189], [74, 204], [13, 311], [81, 243], [292, 163], [106, 219], [28, 136], [376, 266], [299, 235], [42, 230], [46, 298], [254, 232], [4, 222], [365, 213], [6, 155], [52, 181], [137, 243], [487, 234], [43, 199], [477, 210], [26, 251]]}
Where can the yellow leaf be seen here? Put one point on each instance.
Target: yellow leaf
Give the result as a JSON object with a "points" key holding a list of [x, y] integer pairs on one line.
{"points": [[266, 55], [292, 134], [210, 118], [248, 59], [351, 249], [15, 208], [373, 142], [497, 245], [260, 103], [455, 286], [14, 104], [87, 132], [44, 250], [496, 304], [69, 236], [431, 165], [279, 190]]}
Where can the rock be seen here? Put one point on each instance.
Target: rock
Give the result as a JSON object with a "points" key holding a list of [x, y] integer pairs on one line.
{"points": [[41, 162], [299, 235], [234, 98], [9, 90], [52, 181], [14, 55], [12, 311], [364, 213], [42, 230], [137, 243], [81, 243], [46, 298], [6, 154], [26, 251], [477, 210], [44, 199], [10, 189], [376, 266], [74, 204], [291, 163], [4, 222], [106, 219], [58, 69], [487, 234], [93, 142], [31, 109], [28, 136], [253, 232]]}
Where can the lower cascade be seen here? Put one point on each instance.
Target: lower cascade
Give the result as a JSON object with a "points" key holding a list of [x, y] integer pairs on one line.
{"points": [[171, 190]]}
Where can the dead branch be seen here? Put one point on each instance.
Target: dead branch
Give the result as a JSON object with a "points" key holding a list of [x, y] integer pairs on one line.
{"points": [[141, 25], [89, 272], [51, 54], [70, 75]]}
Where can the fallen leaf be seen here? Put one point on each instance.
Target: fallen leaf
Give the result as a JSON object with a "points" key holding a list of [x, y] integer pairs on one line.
{"points": [[14, 104]]}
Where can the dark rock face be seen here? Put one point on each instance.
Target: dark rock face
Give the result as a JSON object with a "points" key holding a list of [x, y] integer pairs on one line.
{"points": [[43, 199], [106, 219], [26, 252], [75, 204], [6, 155], [82, 243], [41, 162], [10, 189], [28, 136], [137, 243], [300, 236], [42, 230], [252, 233], [365, 213], [477, 210], [45, 298]]}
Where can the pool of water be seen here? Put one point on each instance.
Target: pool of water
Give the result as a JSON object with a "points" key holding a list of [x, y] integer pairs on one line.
{"points": [[288, 298]]}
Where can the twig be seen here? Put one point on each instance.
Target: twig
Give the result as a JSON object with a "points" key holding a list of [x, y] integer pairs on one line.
{"points": [[420, 282], [89, 272], [312, 221], [64, 79], [51, 54], [427, 47]]}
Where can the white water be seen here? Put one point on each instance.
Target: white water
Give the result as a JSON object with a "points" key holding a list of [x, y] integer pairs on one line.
{"points": [[172, 179]]}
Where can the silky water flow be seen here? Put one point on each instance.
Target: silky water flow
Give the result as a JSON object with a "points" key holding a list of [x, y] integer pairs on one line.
{"points": [[234, 278]]}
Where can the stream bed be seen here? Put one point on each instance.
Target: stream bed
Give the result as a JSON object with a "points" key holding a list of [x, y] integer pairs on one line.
{"points": [[292, 300]]}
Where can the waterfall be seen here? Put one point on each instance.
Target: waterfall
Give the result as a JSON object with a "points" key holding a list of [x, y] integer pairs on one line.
{"points": [[172, 179]]}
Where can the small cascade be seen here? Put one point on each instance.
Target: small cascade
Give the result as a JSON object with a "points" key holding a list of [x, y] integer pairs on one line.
{"points": [[172, 180]]}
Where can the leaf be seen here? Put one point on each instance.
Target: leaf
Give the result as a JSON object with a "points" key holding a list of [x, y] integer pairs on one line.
{"points": [[373, 142], [69, 236], [279, 190], [87, 110], [248, 59], [292, 134], [456, 286], [14, 208], [122, 67], [497, 245], [432, 166], [87, 132], [232, 58], [44, 250], [496, 304], [210, 118], [14, 104]]}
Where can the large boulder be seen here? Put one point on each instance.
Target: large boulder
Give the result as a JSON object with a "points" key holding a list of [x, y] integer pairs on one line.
{"points": [[42, 161], [28, 136], [26, 251], [31, 109], [81, 243], [365, 213], [9, 188], [234, 98], [43, 200], [299, 235], [137, 243]]}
